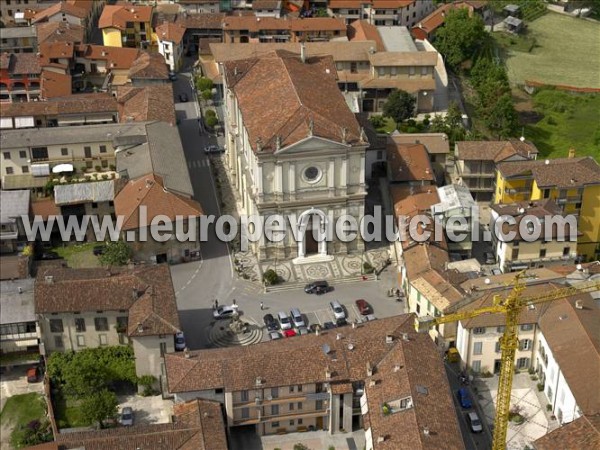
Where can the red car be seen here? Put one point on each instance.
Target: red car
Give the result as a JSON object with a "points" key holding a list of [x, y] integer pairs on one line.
{"points": [[289, 333], [363, 307]]}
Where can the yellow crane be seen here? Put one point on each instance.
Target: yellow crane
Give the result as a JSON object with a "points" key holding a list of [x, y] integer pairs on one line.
{"points": [[511, 306]]}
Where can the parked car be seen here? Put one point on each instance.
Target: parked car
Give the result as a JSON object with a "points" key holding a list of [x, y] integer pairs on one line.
{"points": [[179, 342], [213, 149], [363, 307], [33, 374], [297, 318], [338, 310], [328, 325], [183, 97], [274, 335], [368, 318], [464, 398], [341, 322], [48, 256], [270, 322], [126, 417], [284, 321], [223, 312], [302, 331], [489, 258], [99, 250], [289, 333], [474, 422], [317, 287]]}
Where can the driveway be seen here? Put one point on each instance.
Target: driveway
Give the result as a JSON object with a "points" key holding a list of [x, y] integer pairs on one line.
{"points": [[14, 382]]}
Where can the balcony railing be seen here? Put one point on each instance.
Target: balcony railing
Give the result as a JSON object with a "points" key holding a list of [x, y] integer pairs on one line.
{"points": [[285, 416], [273, 401]]}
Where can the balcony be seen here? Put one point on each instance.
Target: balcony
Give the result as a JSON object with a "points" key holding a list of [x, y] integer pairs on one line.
{"points": [[302, 414], [274, 401]]}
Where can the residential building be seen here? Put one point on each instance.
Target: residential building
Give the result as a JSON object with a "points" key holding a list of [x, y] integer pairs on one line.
{"points": [[12, 12], [48, 32], [88, 308], [19, 331], [523, 251], [76, 12], [148, 69], [456, 201], [381, 12], [573, 183], [20, 77], [583, 432], [438, 149], [475, 163], [19, 39], [201, 6], [148, 103], [408, 164], [201, 30], [428, 26], [267, 8], [251, 29], [14, 211], [197, 425], [127, 25], [149, 192], [291, 152], [342, 384], [170, 43]]}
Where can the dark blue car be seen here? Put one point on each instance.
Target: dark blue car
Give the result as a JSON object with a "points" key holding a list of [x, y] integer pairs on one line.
{"points": [[464, 398]]}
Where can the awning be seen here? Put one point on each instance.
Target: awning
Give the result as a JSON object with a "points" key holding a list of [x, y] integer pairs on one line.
{"points": [[6, 122], [98, 119], [24, 122], [62, 168], [40, 170], [71, 121]]}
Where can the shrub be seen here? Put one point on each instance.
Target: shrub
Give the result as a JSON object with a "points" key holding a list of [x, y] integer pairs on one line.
{"points": [[211, 121], [112, 167], [98, 168], [147, 382], [368, 268], [35, 432], [203, 84], [377, 121], [207, 94], [270, 277], [105, 176], [540, 387], [551, 120], [300, 446], [210, 113], [548, 407]]}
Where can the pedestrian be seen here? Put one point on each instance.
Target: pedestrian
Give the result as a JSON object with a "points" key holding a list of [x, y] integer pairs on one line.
{"points": [[262, 306], [234, 303], [216, 303]]}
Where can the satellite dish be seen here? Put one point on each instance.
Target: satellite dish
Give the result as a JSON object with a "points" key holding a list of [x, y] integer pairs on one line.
{"points": [[487, 281], [326, 349], [579, 267]]}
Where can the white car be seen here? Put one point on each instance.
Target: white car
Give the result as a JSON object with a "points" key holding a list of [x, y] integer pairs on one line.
{"points": [[223, 312], [179, 342], [126, 418], [338, 310], [284, 321]]}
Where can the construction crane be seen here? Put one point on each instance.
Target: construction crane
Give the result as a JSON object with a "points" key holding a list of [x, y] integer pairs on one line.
{"points": [[511, 306]]}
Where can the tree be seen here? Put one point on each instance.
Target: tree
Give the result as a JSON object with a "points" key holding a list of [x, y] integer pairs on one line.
{"points": [[203, 84], [34, 433], [99, 406], [207, 94], [211, 121], [270, 277], [502, 118], [116, 254], [400, 106], [460, 36]]}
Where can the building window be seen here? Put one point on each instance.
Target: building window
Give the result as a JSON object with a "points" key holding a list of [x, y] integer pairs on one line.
{"points": [[80, 340], [122, 324], [56, 325], [103, 149], [479, 330], [25, 169], [274, 410], [102, 339], [291, 422], [101, 323], [525, 344], [9, 171], [58, 341], [245, 413], [244, 396], [22, 154], [500, 329], [418, 309], [64, 151], [412, 70], [291, 407], [291, 389], [527, 327], [104, 163], [6, 155], [300, 406], [477, 348], [424, 70], [300, 422], [299, 388], [80, 325], [274, 424], [566, 251], [543, 253], [498, 349], [274, 392], [523, 363], [476, 366]]}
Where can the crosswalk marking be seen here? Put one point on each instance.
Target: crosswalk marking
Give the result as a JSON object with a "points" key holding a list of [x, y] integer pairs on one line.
{"points": [[198, 163]]}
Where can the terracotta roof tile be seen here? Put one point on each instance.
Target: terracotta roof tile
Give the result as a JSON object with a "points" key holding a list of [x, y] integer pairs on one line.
{"points": [[115, 57], [45, 208], [60, 8], [277, 96], [55, 84], [266, 4], [5, 60], [412, 200], [408, 162], [496, 151], [149, 66], [435, 143], [70, 104], [24, 63], [149, 191], [117, 16], [172, 32], [202, 21], [254, 24], [59, 32], [361, 30], [582, 433], [146, 103], [567, 173]]}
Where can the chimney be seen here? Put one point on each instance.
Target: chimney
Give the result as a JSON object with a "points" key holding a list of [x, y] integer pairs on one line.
{"points": [[380, 439], [396, 367], [579, 304], [571, 153], [369, 369], [327, 373], [389, 339]]}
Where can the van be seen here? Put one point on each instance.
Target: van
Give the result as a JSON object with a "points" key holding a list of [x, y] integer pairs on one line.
{"points": [[474, 422], [297, 318], [284, 320]]}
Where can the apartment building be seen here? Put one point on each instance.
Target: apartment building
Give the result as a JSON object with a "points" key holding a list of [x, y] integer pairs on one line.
{"points": [[202, 6], [573, 183], [127, 25], [20, 77], [409, 165], [437, 146], [475, 163], [524, 252], [252, 29], [456, 201], [170, 43], [19, 330], [201, 30], [381, 12], [267, 8], [19, 39], [75, 12], [380, 377], [88, 308]]}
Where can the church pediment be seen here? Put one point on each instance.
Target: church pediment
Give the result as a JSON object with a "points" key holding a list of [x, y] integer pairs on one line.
{"points": [[313, 143]]}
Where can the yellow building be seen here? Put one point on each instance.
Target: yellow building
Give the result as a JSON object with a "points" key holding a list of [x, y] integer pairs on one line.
{"points": [[127, 25], [573, 183]]}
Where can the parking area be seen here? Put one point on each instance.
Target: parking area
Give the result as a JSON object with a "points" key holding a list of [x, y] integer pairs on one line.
{"points": [[14, 382], [147, 410]]}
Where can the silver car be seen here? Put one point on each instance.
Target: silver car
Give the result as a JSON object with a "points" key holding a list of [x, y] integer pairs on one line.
{"points": [[338, 310], [284, 320], [126, 417]]}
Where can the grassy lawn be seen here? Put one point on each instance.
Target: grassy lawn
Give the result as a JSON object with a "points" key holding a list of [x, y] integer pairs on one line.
{"points": [[567, 52], [12, 358], [510, 42], [389, 126], [570, 120], [67, 413], [22, 409], [79, 255]]}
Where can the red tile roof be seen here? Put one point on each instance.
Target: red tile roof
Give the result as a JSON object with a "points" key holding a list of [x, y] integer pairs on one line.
{"points": [[59, 32], [361, 30], [146, 103], [117, 16], [169, 31], [115, 57], [408, 162], [149, 66], [582, 433], [55, 84], [60, 8]]}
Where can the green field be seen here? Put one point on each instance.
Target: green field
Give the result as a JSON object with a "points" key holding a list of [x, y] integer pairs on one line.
{"points": [[570, 120], [567, 52]]}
